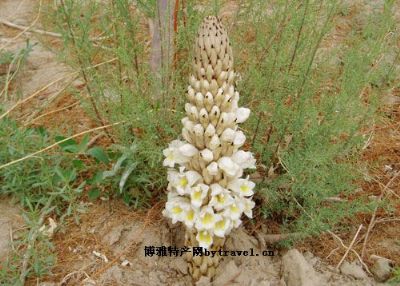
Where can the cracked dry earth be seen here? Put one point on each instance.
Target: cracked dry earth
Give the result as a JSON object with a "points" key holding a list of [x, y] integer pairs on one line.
{"points": [[107, 248]]}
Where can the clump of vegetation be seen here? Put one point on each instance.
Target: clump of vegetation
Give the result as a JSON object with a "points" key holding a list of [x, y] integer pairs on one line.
{"points": [[309, 101]]}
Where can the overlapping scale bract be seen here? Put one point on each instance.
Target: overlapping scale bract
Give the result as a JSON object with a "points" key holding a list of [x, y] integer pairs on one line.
{"points": [[207, 191]]}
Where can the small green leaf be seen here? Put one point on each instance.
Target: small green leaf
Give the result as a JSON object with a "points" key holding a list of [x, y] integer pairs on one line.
{"points": [[125, 176], [83, 144], [94, 194], [97, 178], [127, 198], [78, 164], [42, 131], [66, 176], [69, 142], [99, 154], [71, 149]]}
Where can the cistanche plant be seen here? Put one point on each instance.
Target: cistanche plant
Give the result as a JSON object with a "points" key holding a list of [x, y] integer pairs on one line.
{"points": [[206, 190]]}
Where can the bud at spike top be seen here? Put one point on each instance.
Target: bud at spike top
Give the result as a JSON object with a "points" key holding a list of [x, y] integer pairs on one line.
{"points": [[206, 191]]}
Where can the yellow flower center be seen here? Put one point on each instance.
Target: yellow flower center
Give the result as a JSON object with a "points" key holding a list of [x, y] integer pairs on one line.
{"points": [[183, 182], [197, 196], [190, 215], [220, 224], [221, 199], [234, 208], [208, 218], [244, 188], [176, 210], [205, 236]]}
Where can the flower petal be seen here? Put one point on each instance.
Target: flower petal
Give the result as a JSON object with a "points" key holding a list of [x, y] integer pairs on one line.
{"points": [[212, 168], [188, 150], [228, 135], [242, 114], [240, 138], [228, 166], [207, 155], [222, 226], [193, 177], [244, 159], [204, 238]]}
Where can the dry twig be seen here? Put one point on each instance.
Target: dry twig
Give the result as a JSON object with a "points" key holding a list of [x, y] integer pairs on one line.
{"points": [[51, 98], [25, 29], [355, 252], [337, 238], [349, 248], [372, 221], [35, 94], [50, 84], [51, 112]]}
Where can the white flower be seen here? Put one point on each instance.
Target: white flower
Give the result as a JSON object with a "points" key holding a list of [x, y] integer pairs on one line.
{"points": [[173, 155], [204, 238], [225, 120], [186, 135], [198, 129], [207, 155], [221, 200], [210, 131], [188, 124], [190, 94], [176, 209], [244, 159], [242, 187], [190, 217], [214, 142], [228, 135], [188, 150], [248, 206], [228, 166], [212, 168], [182, 181], [240, 138], [216, 189], [193, 114], [220, 197], [234, 211], [206, 219], [178, 152], [197, 195], [172, 195], [199, 100], [222, 227], [242, 114]]}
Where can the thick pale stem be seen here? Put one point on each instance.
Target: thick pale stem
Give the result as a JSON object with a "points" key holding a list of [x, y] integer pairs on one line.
{"points": [[202, 265]]}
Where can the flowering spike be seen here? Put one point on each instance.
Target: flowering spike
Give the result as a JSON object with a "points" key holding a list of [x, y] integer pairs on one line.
{"points": [[208, 193]]}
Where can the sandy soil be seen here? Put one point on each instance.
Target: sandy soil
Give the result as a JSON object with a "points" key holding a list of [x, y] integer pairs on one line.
{"points": [[121, 236], [10, 222], [43, 78]]}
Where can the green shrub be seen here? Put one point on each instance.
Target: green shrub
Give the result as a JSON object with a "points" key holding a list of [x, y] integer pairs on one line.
{"points": [[309, 100]]}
